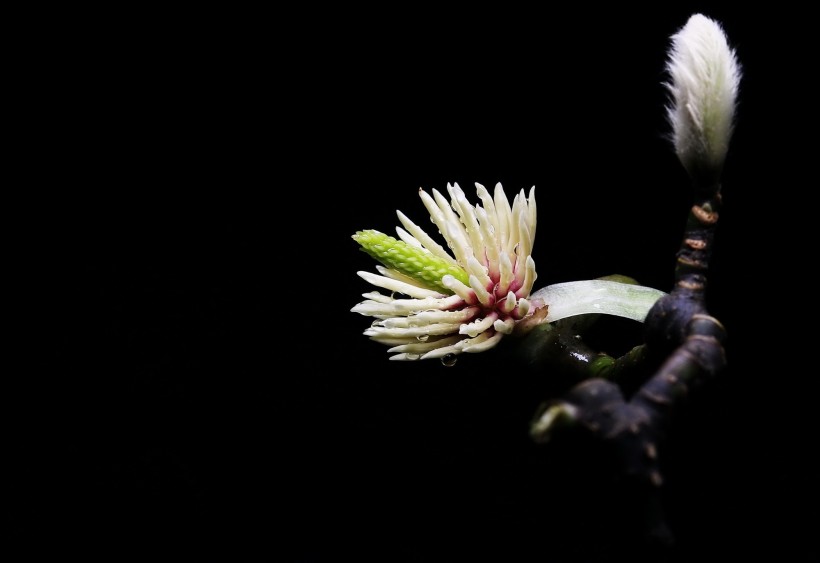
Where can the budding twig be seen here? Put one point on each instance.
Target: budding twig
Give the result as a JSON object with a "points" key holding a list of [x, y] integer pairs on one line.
{"points": [[684, 344]]}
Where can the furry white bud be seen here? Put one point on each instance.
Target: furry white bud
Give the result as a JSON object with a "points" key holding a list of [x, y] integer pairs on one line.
{"points": [[704, 82]]}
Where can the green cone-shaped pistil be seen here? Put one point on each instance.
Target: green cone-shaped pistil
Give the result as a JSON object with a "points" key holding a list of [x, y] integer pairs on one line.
{"points": [[409, 260]]}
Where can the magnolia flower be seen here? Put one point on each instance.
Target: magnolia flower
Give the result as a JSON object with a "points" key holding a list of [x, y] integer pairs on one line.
{"points": [[460, 302]]}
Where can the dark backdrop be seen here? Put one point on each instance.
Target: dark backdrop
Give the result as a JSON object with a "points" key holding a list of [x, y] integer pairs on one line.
{"points": [[197, 384]]}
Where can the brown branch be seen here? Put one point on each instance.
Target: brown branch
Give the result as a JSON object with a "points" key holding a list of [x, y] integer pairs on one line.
{"points": [[687, 345]]}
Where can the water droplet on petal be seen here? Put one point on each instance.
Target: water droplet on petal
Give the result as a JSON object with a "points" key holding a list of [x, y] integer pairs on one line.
{"points": [[377, 322], [449, 360], [413, 356], [423, 337]]}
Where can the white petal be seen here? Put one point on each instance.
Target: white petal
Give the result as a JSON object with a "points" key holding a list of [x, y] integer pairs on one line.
{"points": [[396, 285], [459, 244], [425, 239], [508, 303], [420, 347], [468, 219], [437, 217], [529, 278], [532, 210], [482, 294], [410, 239], [405, 357], [485, 344], [429, 330], [377, 297], [478, 269], [441, 352], [483, 341], [507, 276], [401, 307], [522, 309], [524, 240], [464, 292], [502, 207], [489, 207], [374, 309], [432, 317], [505, 326], [393, 340], [459, 316], [490, 244], [398, 276], [515, 218], [475, 328], [453, 230]]}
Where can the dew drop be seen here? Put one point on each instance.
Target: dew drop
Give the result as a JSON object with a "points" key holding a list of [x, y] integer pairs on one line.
{"points": [[413, 356], [449, 360], [375, 323], [423, 337]]}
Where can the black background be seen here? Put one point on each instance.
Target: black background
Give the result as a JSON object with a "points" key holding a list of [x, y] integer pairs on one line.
{"points": [[197, 386]]}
